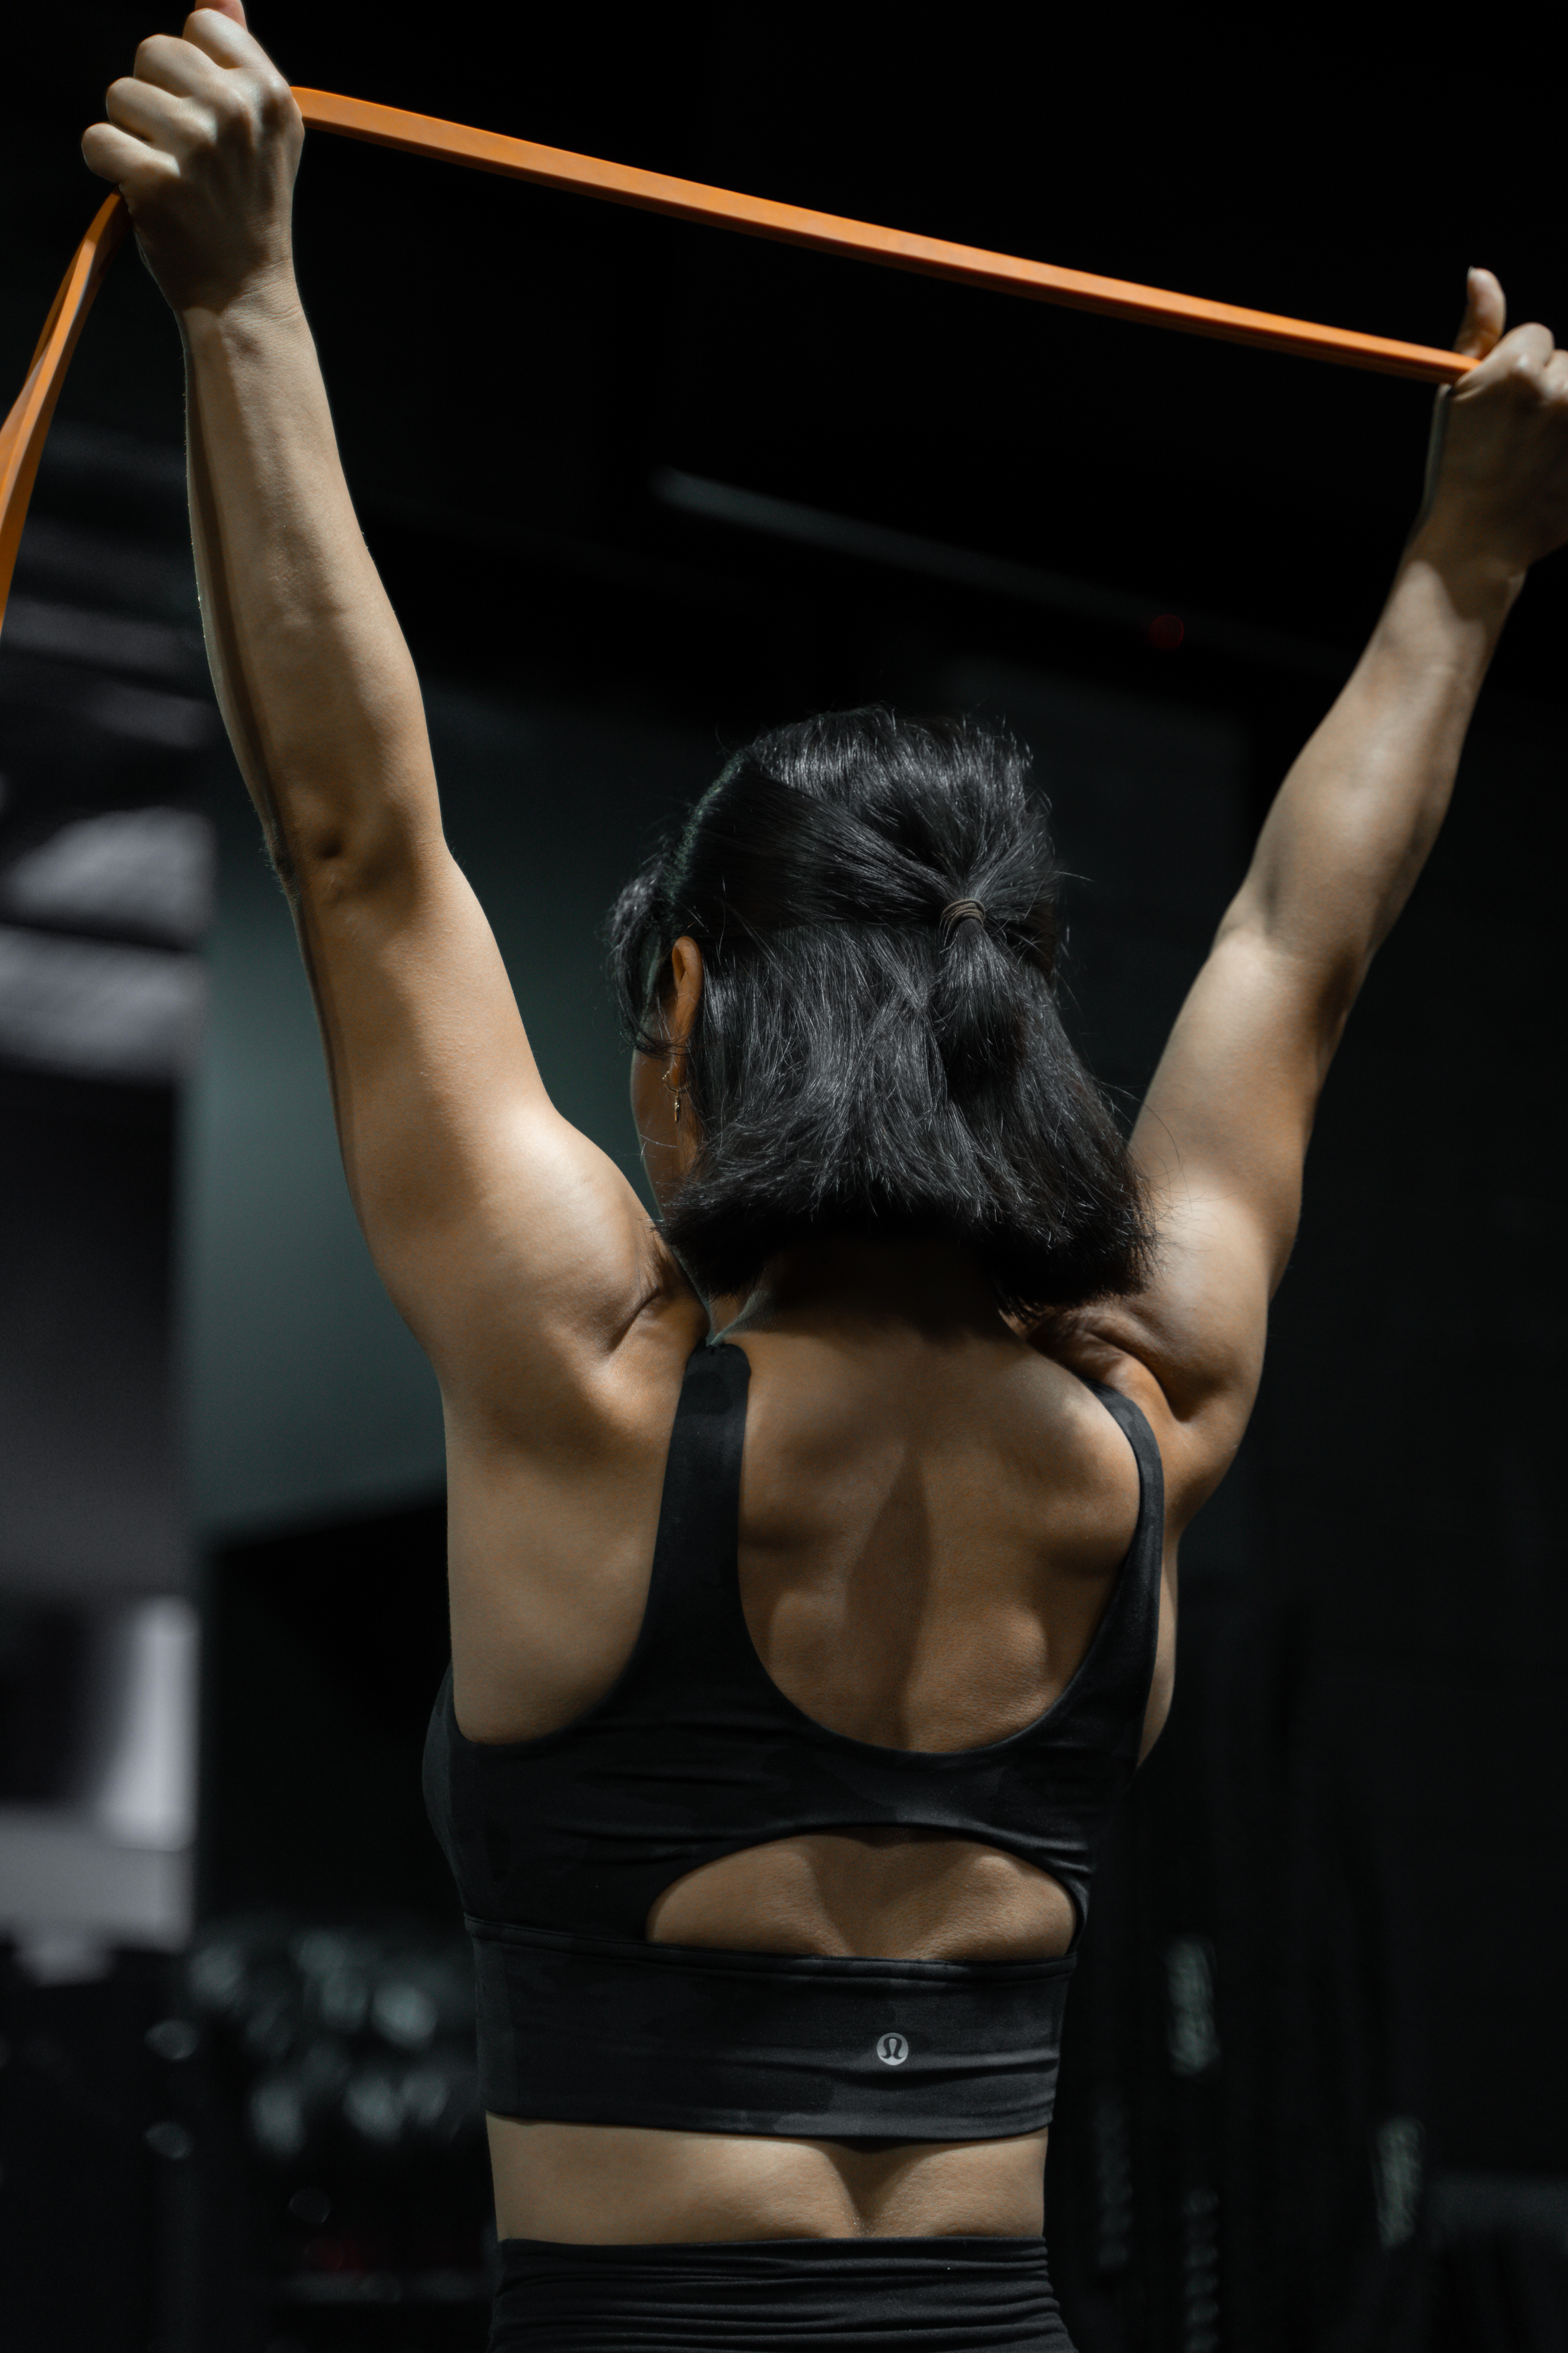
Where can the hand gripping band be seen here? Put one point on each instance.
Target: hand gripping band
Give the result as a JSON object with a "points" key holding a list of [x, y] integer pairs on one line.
{"points": [[23, 433]]}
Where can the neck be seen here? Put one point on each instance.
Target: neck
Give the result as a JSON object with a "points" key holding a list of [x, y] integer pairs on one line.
{"points": [[850, 1280]]}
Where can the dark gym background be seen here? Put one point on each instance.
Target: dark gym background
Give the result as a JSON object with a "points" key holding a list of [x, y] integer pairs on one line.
{"points": [[636, 488]]}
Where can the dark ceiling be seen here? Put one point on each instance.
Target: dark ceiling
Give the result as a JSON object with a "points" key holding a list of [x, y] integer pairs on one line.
{"points": [[511, 368]]}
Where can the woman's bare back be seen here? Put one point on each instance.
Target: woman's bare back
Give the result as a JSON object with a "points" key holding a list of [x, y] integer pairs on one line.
{"points": [[931, 1521], [933, 1517]]}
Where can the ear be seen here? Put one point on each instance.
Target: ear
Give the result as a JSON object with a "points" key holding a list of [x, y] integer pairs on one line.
{"points": [[686, 960]]}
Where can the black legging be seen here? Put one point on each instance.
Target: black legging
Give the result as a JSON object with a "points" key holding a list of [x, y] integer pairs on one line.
{"points": [[778, 2296]]}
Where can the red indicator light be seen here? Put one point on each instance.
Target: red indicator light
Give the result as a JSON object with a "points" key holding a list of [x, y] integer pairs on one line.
{"points": [[1165, 631]]}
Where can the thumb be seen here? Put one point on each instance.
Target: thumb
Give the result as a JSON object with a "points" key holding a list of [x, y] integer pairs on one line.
{"points": [[233, 9], [1486, 314]]}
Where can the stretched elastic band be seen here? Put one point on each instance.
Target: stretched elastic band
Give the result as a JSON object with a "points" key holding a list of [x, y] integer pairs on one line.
{"points": [[23, 433]]}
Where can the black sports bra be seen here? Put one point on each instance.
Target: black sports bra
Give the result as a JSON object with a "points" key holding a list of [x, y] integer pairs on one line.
{"points": [[560, 1846]]}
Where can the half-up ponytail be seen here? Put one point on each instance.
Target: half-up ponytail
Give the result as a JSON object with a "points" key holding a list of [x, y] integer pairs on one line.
{"points": [[869, 1054]]}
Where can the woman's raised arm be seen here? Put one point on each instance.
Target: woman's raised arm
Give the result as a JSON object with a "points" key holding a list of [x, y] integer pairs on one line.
{"points": [[475, 1196], [1223, 1131]]}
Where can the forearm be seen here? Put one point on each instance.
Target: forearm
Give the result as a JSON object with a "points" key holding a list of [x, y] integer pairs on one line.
{"points": [[1359, 812], [313, 677]]}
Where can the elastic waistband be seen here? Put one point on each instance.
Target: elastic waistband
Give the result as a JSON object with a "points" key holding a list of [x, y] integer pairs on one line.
{"points": [[777, 2296], [983, 2254]]}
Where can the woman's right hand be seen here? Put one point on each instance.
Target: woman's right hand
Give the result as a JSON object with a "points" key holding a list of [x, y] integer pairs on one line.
{"points": [[1498, 488], [203, 141]]}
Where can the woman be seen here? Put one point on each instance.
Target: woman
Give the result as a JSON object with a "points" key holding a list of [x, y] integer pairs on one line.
{"points": [[793, 1675]]}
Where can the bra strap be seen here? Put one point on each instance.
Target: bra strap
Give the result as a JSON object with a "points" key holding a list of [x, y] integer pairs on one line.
{"points": [[693, 1624], [1111, 1693]]}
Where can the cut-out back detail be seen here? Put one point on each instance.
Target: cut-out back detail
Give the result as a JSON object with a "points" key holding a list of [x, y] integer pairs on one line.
{"points": [[562, 1844]]}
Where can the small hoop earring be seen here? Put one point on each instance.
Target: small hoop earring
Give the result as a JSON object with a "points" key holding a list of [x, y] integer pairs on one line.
{"points": [[677, 1090]]}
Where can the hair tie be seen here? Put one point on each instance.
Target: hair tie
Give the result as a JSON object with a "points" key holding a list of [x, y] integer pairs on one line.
{"points": [[961, 911]]}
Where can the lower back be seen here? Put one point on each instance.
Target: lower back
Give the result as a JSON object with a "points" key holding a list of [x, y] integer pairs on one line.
{"points": [[620, 2185]]}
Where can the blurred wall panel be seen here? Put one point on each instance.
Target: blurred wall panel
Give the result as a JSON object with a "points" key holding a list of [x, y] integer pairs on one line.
{"points": [[88, 1459]]}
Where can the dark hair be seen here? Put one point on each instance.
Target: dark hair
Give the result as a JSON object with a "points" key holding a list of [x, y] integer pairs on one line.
{"points": [[851, 1069]]}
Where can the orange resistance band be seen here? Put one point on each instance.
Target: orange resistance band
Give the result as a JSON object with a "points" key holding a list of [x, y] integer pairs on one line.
{"points": [[22, 435]]}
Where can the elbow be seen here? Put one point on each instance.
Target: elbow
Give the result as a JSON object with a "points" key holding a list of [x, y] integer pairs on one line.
{"points": [[1324, 945], [339, 860]]}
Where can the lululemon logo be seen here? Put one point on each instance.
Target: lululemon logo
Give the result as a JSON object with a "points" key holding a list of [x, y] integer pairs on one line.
{"points": [[892, 2051]]}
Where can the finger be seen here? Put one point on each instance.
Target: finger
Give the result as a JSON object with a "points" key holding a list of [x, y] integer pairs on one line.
{"points": [[128, 162], [1530, 346], [165, 62], [233, 9], [1527, 348], [224, 38], [1486, 315], [156, 117]]}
